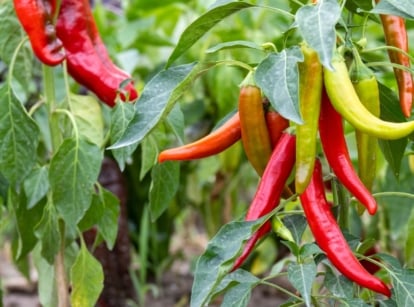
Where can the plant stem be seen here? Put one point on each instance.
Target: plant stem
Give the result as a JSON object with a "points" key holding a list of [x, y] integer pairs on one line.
{"points": [[60, 272]]}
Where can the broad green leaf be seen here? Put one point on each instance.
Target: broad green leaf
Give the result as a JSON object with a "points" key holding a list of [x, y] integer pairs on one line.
{"points": [[93, 214], [239, 276], [46, 286], [278, 77], [157, 99], [11, 35], [149, 152], [355, 5], [202, 25], [26, 221], [87, 279], [89, 119], [353, 302], [165, 182], [388, 303], [73, 171], [409, 240], [19, 138], [108, 223], [36, 186], [302, 275], [309, 249], [296, 224], [121, 115], [403, 286], [175, 120], [234, 44], [393, 150], [317, 26], [238, 296], [403, 8], [338, 285], [47, 231], [217, 261]]}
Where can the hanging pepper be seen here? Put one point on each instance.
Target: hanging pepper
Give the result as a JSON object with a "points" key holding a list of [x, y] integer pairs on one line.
{"points": [[276, 124], [329, 237], [36, 19], [310, 88], [254, 134], [345, 100], [214, 143], [395, 34], [270, 188], [331, 133], [366, 87], [86, 61]]}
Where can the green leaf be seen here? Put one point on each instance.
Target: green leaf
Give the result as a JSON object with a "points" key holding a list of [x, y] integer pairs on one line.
{"points": [[93, 214], [296, 224], [217, 260], [388, 303], [393, 150], [403, 282], [202, 25], [403, 8], [353, 302], [11, 35], [355, 5], [47, 231], [317, 26], [121, 115], [19, 138], [36, 186], [87, 279], [238, 296], [149, 150], [88, 116], [108, 223], [239, 276], [165, 182], [157, 99], [338, 285], [73, 171], [47, 290], [175, 120], [409, 240], [234, 44], [302, 275], [278, 77]]}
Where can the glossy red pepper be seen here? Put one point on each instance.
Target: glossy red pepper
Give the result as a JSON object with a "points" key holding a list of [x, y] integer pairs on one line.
{"points": [[270, 188], [329, 237], [276, 124], [214, 143], [395, 34], [85, 60], [35, 17], [334, 146]]}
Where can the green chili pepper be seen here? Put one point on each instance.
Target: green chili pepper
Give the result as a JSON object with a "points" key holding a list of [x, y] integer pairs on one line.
{"points": [[310, 88]]}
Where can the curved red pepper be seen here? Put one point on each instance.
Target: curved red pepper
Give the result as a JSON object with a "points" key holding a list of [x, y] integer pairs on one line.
{"points": [[35, 17], [329, 237], [213, 143], [276, 124], [334, 146], [270, 189], [84, 60]]}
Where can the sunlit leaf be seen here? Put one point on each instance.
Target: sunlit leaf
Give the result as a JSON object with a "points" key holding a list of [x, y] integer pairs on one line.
{"points": [[403, 8]]}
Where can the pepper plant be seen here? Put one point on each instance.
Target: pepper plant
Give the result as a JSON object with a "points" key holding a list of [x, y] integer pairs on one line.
{"points": [[312, 67]]}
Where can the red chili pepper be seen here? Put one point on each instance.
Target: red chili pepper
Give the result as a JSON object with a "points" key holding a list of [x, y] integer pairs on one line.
{"points": [[85, 60], [35, 17], [334, 146], [395, 34], [214, 143], [270, 188], [329, 237], [276, 124]]}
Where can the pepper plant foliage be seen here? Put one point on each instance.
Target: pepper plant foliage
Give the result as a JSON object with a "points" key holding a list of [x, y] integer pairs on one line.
{"points": [[52, 148]]}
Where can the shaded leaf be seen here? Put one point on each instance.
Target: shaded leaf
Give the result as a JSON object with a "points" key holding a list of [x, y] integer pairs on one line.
{"points": [[238, 296], [19, 136], [278, 77], [165, 182], [338, 285], [296, 224], [202, 25], [36, 186], [317, 26], [108, 223], [403, 282]]}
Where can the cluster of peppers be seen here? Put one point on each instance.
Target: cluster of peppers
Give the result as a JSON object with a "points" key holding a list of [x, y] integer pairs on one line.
{"points": [[326, 98], [66, 30]]}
